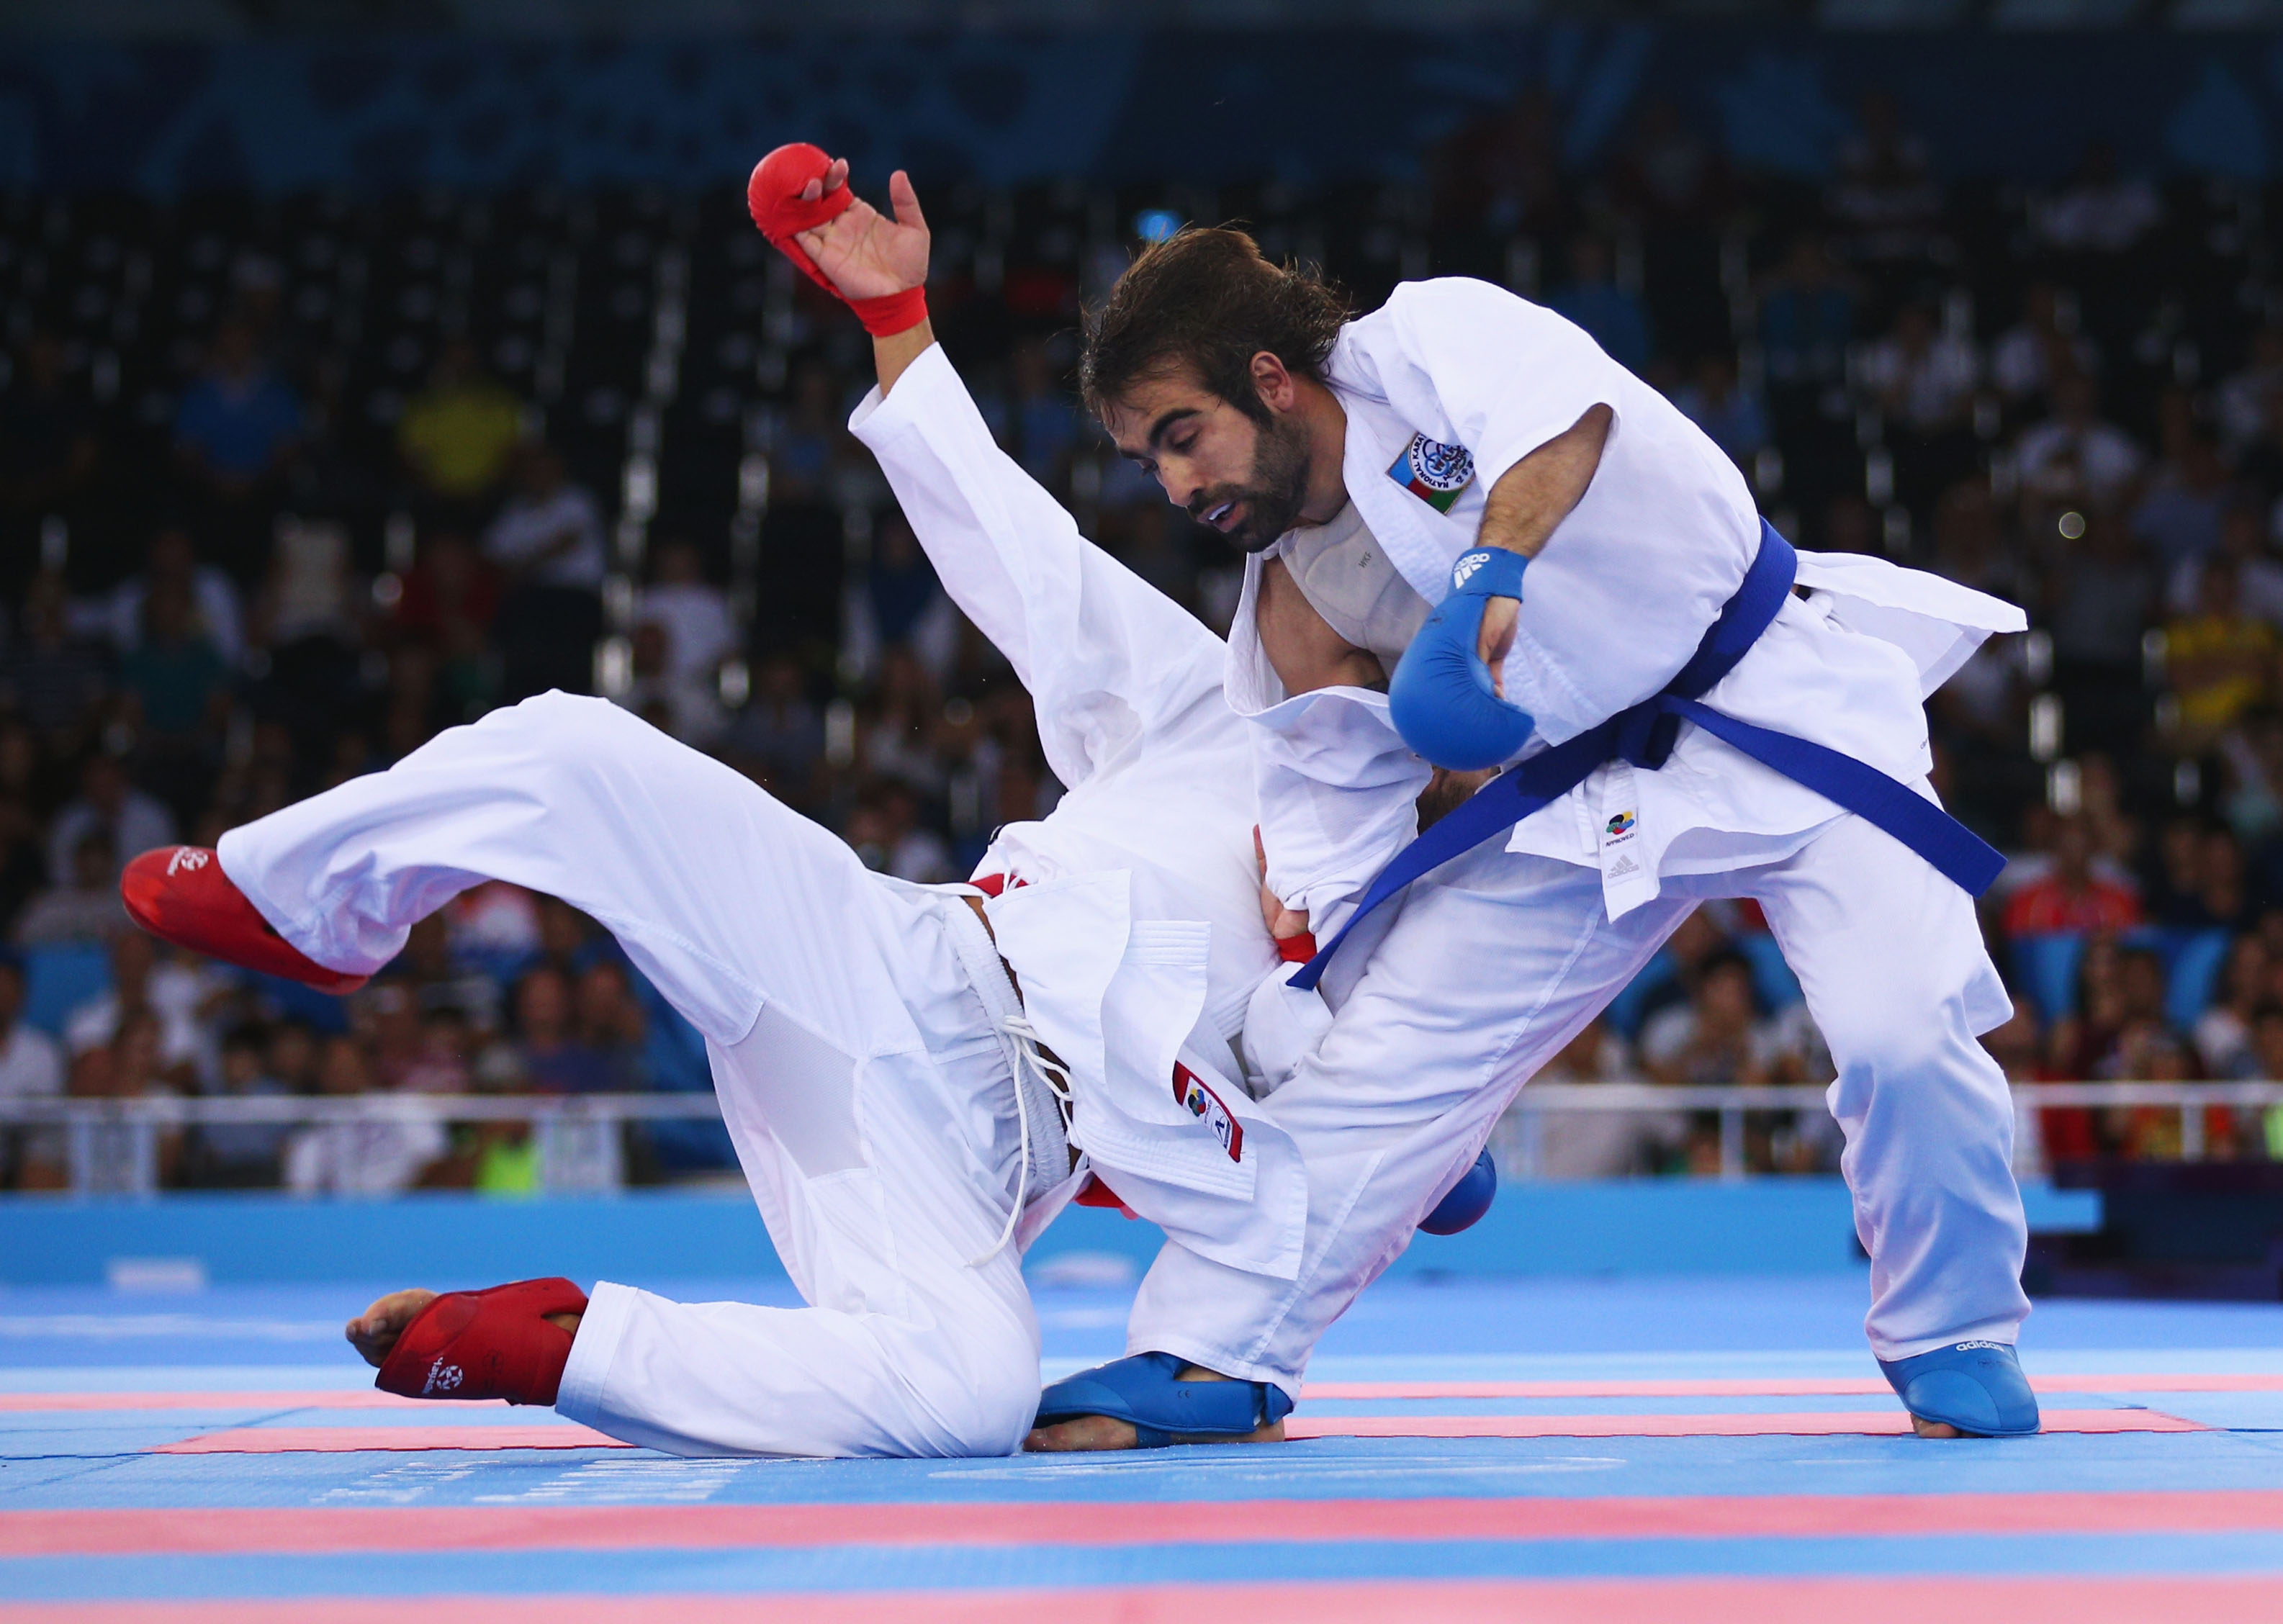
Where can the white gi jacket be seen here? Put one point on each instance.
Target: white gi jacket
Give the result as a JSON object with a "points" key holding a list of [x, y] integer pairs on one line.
{"points": [[1131, 915], [1612, 609]]}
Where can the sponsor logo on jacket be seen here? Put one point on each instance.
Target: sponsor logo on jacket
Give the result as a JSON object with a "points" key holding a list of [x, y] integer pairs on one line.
{"points": [[1202, 1103], [1434, 472]]}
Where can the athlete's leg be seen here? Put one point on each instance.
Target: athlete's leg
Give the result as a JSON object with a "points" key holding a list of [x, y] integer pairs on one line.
{"points": [[1494, 964], [1891, 959], [858, 1072]]}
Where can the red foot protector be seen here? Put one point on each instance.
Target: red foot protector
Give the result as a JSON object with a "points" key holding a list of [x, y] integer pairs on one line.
{"points": [[485, 1344], [773, 198], [180, 894]]}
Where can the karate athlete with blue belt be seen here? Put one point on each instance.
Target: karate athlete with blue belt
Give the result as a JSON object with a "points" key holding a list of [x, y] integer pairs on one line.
{"points": [[1561, 577]]}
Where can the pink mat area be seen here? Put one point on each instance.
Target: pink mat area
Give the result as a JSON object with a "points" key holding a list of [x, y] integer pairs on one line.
{"points": [[1887, 1600], [211, 1531]]}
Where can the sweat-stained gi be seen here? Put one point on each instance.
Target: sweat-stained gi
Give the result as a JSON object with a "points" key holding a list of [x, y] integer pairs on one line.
{"points": [[1449, 999], [875, 1065]]}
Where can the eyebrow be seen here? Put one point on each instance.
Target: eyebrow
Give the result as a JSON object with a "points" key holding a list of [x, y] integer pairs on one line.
{"points": [[1158, 430]]}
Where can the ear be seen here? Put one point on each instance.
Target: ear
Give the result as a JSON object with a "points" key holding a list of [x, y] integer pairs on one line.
{"points": [[1270, 377]]}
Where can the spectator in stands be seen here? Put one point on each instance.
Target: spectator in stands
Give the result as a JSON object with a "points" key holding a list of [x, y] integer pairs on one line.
{"points": [[1921, 377], [236, 427], [553, 1056], [1593, 299], [684, 703], [2099, 211], [1557, 1144], [2219, 658], [2243, 547], [885, 829], [447, 603], [1807, 319], [48, 445], [611, 1023], [2045, 344], [1715, 1038], [2100, 594], [2069, 896], [2242, 403], [1667, 172], [548, 543], [1717, 403], [2074, 457], [897, 740], [1038, 425], [55, 680], [778, 739], [172, 564], [177, 693], [2267, 1066], [2222, 1033], [31, 1068], [108, 804], [86, 909], [364, 1156], [902, 604], [693, 611], [2187, 494], [456, 434], [239, 1156], [175, 996], [1886, 191]]}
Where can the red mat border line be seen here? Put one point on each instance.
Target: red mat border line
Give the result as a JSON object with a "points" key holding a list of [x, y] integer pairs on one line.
{"points": [[1836, 1386], [2133, 1600], [1812, 1424], [333, 1530]]}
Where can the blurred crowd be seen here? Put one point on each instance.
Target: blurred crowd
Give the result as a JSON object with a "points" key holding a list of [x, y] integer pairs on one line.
{"points": [[283, 548]]}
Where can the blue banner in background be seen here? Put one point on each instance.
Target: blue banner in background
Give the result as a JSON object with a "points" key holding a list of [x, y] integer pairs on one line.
{"points": [[384, 113]]}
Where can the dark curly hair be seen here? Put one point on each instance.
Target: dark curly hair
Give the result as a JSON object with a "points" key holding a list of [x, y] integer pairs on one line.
{"points": [[1206, 299]]}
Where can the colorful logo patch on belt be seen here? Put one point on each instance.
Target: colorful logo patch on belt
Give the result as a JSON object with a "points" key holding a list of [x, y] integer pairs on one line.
{"points": [[1622, 824], [1202, 1103], [1434, 472]]}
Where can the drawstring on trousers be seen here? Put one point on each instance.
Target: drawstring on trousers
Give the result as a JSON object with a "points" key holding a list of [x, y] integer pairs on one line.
{"points": [[1054, 1076]]}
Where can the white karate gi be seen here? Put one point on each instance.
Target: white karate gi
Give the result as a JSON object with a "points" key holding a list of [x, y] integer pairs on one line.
{"points": [[860, 1028], [1497, 960]]}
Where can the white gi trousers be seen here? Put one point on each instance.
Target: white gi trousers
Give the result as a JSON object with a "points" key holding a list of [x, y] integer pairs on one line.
{"points": [[1497, 960], [851, 1023]]}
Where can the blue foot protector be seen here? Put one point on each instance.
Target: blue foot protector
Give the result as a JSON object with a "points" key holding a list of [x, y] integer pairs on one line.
{"points": [[1142, 1389], [1976, 1387], [1465, 1202], [1440, 697]]}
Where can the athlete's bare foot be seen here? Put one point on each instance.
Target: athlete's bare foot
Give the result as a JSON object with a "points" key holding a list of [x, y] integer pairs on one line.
{"points": [[1934, 1429], [374, 1332], [1084, 1432]]}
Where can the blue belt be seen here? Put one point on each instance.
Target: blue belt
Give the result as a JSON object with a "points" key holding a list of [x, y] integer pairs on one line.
{"points": [[1644, 735]]}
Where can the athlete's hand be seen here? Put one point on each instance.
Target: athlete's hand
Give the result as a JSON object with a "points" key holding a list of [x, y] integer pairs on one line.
{"points": [[864, 253], [374, 1332], [1495, 641], [1282, 922]]}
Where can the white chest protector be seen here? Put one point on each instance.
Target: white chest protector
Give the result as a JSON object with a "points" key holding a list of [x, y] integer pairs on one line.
{"points": [[1348, 578]]}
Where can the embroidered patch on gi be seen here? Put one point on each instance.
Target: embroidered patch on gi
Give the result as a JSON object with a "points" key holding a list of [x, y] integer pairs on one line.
{"points": [[1622, 824], [1434, 472], [1202, 1102]]}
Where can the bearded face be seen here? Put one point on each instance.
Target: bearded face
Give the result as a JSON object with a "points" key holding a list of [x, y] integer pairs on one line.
{"points": [[1253, 513]]}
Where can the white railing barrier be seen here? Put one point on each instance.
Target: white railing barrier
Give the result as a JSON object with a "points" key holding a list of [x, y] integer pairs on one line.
{"points": [[114, 1141]]}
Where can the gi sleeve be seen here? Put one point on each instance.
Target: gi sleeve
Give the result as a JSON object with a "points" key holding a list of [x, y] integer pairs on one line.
{"points": [[1499, 375], [1108, 659]]}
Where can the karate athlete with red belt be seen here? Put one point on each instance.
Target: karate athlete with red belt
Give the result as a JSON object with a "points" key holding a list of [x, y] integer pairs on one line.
{"points": [[894, 1061], [1561, 577]]}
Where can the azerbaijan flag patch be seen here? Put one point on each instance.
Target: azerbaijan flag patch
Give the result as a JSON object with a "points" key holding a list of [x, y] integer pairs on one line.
{"points": [[1434, 472]]}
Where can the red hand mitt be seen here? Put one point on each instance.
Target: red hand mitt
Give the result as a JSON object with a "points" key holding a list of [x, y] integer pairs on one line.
{"points": [[773, 198], [180, 894], [485, 1344]]}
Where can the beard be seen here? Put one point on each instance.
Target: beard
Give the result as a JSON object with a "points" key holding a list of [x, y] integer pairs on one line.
{"points": [[1279, 489]]}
